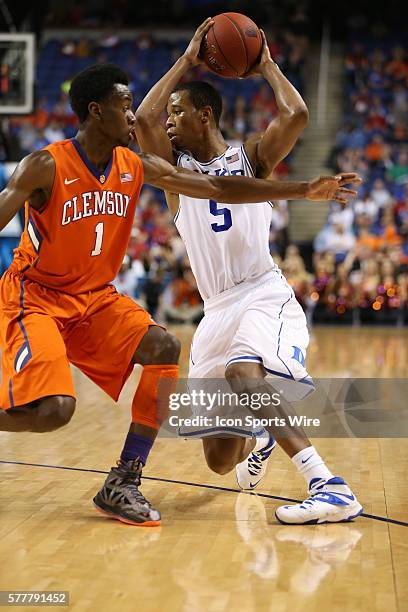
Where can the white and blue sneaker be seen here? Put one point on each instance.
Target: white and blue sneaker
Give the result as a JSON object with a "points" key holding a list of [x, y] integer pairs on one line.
{"points": [[251, 471], [330, 502]]}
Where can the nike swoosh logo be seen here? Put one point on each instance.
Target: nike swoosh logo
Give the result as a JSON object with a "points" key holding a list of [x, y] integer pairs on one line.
{"points": [[252, 486], [68, 182], [306, 460]]}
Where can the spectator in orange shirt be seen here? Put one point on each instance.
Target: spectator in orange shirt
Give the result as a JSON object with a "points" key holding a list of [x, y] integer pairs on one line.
{"points": [[368, 240], [389, 235], [181, 300], [398, 66], [376, 149]]}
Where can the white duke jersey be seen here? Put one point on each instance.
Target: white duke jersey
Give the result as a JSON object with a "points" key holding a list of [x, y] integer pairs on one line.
{"points": [[226, 244]]}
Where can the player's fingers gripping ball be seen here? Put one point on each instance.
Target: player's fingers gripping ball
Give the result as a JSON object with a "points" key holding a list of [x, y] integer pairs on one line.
{"points": [[232, 45]]}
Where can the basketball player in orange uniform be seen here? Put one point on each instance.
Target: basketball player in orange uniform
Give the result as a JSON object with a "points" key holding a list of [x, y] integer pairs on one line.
{"points": [[57, 303]]}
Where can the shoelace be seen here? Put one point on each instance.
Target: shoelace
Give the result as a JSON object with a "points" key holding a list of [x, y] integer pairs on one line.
{"points": [[265, 452], [310, 500], [256, 459], [131, 482], [254, 464], [334, 498], [133, 491]]}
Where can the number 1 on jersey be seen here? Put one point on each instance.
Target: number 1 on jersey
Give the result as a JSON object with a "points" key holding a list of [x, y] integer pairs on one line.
{"points": [[98, 240]]}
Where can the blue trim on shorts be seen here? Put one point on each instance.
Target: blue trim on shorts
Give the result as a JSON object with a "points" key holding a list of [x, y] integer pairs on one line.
{"points": [[277, 352], [21, 325], [280, 330], [307, 380], [284, 304], [24, 332], [248, 433], [280, 374], [244, 358], [27, 358]]}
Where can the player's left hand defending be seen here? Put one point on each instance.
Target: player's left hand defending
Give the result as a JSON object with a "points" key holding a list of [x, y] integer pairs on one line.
{"points": [[193, 49], [332, 187]]}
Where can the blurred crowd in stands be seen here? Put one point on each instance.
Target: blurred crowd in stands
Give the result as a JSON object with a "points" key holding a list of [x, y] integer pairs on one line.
{"points": [[361, 255], [156, 271], [359, 268]]}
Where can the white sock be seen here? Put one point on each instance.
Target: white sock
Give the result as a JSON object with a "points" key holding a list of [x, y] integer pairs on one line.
{"points": [[311, 466], [261, 440]]}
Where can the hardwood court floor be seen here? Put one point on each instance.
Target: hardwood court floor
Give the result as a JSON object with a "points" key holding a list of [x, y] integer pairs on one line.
{"points": [[217, 549]]}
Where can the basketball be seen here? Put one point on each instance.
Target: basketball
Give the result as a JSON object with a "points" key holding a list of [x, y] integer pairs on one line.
{"points": [[232, 45]]}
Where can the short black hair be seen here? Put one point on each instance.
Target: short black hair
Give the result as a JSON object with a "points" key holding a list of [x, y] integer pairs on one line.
{"points": [[203, 94], [94, 84]]}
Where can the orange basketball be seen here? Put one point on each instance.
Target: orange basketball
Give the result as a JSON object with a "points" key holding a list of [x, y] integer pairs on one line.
{"points": [[232, 45]]}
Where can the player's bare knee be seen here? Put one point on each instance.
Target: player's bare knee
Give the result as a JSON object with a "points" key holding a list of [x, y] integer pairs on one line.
{"points": [[170, 349], [158, 347], [167, 350], [219, 463], [218, 455], [54, 412], [239, 378]]}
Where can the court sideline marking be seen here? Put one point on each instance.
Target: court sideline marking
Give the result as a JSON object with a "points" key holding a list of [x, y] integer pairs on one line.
{"points": [[195, 484]]}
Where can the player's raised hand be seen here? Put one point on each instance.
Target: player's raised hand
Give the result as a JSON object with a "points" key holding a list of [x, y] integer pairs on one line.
{"points": [[326, 188], [264, 59], [193, 49]]}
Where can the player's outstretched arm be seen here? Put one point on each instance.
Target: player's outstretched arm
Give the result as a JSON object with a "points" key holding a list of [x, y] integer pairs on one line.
{"points": [[151, 135], [266, 150], [34, 173], [238, 189]]}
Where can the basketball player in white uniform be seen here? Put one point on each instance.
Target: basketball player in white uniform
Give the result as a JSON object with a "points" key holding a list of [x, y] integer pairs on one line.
{"points": [[253, 326]]}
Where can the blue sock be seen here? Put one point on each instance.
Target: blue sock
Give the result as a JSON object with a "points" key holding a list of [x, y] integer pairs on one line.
{"points": [[136, 446]]}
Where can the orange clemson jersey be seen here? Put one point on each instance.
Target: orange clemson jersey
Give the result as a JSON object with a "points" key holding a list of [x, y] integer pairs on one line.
{"points": [[77, 242]]}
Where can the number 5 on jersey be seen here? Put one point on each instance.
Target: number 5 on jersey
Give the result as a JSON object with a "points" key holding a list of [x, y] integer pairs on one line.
{"points": [[225, 212], [97, 250]]}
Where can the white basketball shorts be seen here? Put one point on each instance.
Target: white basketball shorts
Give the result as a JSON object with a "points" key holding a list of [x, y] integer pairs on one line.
{"points": [[258, 321]]}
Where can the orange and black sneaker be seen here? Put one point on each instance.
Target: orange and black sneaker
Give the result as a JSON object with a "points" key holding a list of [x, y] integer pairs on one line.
{"points": [[121, 499]]}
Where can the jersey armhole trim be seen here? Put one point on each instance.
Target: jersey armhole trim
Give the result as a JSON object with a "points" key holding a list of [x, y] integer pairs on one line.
{"points": [[246, 159], [176, 216], [180, 155], [248, 163]]}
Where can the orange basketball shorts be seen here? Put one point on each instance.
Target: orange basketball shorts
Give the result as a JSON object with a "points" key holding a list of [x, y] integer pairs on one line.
{"points": [[43, 330]]}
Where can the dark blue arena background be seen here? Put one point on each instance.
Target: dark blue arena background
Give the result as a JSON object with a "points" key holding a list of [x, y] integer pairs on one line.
{"points": [[346, 265]]}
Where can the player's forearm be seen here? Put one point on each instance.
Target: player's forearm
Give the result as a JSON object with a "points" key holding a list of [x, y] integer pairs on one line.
{"points": [[153, 104], [241, 189], [288, 99], [236, 190]]}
